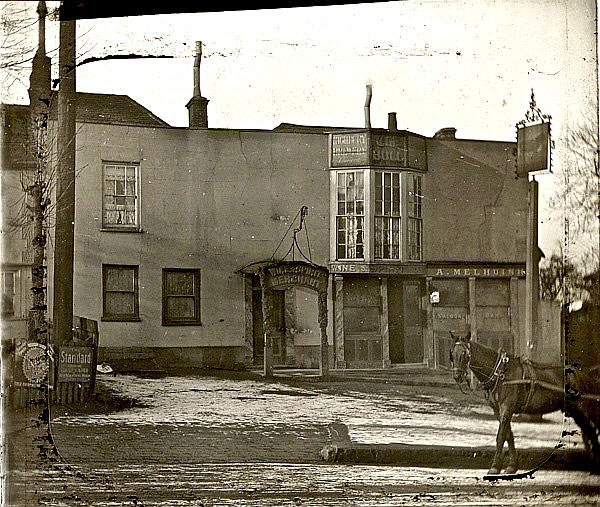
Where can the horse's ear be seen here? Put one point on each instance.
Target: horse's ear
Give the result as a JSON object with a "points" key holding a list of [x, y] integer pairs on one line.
{"points": [[452, 336], [468, 337]]}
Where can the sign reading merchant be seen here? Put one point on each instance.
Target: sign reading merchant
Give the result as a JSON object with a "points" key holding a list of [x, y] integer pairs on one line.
{"points": [[379, 148], [297, 273], [75, 364]]}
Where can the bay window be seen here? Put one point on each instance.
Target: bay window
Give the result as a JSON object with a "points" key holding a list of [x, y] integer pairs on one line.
{"points": [[350, 219], [387, 215], [415, 217], [377, 215]]}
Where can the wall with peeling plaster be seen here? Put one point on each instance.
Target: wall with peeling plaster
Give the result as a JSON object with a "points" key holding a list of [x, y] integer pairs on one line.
{"points": [[210, 199], [474, 208]]}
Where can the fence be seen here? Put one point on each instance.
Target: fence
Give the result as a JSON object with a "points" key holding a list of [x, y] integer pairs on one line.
{"points": [[71, 371]]}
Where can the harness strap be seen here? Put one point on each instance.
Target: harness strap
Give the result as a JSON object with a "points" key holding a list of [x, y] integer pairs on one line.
{"points": [[528, 374]]}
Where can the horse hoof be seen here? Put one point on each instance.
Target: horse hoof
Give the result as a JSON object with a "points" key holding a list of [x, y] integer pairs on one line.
{"points": [[510, 470], [493, 471]]}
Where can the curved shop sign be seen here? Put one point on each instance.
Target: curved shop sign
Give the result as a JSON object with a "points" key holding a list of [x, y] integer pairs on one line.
{"points": [[296, 273]]}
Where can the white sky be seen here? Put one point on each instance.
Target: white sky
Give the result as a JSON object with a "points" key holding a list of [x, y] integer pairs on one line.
{"points": [[468, 64]]}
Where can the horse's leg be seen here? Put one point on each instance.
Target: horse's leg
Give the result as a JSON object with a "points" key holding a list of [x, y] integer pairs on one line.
{"points": [[512, 452], [501, 437]]}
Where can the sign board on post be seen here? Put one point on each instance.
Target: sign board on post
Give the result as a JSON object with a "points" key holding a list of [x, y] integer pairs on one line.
{"points": [[533, 148], [75, 364]]}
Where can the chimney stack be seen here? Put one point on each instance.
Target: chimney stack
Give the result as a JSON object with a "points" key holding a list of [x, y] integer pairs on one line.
{"points": [[368, 107], [197, 105], [445, 133], [392, 123], [39, 81]]}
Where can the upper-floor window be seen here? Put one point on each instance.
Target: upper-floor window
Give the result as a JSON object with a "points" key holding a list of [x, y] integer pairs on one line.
{"points": [[8, 293], [350, 218], [387, 215], [120, 204], [415, 217]]}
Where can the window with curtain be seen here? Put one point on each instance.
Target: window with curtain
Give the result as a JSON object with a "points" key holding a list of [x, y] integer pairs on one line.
{"points": [[350, 217], [388, 191], [121, 196]]}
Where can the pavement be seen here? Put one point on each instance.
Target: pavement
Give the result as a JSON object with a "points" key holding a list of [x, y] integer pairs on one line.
{"points": [[165, 438]]}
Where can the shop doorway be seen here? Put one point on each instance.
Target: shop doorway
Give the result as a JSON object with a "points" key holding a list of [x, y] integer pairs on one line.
{"points": [[405, 321]]}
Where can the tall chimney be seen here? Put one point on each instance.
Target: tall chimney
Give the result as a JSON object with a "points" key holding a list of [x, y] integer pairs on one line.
{"points": [[392, 123], [197, 105], [39, 81], [368, 107]]}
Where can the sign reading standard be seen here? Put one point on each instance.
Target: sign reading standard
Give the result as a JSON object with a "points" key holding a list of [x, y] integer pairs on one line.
{"points": [[75, 364]]}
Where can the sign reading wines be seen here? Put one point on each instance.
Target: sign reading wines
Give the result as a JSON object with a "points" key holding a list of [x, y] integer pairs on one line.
{"points": [[75, 364]]}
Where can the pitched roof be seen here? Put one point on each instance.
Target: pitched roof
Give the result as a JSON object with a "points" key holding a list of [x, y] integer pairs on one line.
{"points": [[111, 109], [307, 129], [91, 108]]}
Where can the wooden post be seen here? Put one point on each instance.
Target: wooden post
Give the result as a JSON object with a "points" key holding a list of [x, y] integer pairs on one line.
{"points": [[324, 359], [65, 187], [532, 274]]}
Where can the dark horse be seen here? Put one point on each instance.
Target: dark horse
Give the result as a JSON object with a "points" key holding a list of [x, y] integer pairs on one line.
{"points": [[513, 386]]}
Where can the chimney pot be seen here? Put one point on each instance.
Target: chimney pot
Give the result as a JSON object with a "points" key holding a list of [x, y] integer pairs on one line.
{"points": [[198, 105], [368, 107], [392, 122]]}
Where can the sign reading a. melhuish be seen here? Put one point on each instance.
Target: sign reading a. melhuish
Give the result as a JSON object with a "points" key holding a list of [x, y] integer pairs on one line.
{"points": [[75, 364]]}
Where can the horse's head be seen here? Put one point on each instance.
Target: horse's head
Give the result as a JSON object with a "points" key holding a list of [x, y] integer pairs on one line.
{"points": [[460, 355]]}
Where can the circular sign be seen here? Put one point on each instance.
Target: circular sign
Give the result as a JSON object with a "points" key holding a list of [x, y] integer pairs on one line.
{"points": [[35, 363]]}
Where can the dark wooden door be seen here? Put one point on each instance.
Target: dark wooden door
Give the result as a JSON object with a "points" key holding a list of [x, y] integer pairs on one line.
{"points": [[412, 324], [395, 324], [258, 339]]}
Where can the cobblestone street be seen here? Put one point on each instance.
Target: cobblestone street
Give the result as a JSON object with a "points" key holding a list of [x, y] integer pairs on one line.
{"points": [[217, 441]]}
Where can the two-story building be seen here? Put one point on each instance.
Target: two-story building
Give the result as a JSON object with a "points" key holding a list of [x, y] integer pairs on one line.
{"points": [[421, 236]]}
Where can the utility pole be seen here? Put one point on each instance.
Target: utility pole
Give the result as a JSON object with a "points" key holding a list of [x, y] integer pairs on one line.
{"points": [[65, 187]]}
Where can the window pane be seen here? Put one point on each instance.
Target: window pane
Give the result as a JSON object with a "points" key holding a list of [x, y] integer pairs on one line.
{"points": [[180, 283], [119, 279], [180, 307], [119, 303]]}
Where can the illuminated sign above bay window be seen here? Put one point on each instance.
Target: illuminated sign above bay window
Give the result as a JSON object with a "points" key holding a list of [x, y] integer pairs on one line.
{"points": [[378, 148]]}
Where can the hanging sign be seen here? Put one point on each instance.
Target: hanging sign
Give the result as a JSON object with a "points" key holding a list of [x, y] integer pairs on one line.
{"points": [[533, 148]]}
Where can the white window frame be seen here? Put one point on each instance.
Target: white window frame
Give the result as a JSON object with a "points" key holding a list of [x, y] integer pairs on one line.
{"points": [[350, 219], [388, 213], [414, 222], [106, 225]]}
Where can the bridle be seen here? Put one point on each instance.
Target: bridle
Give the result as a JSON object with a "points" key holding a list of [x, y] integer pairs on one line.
{"points": [[491, 383]]}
